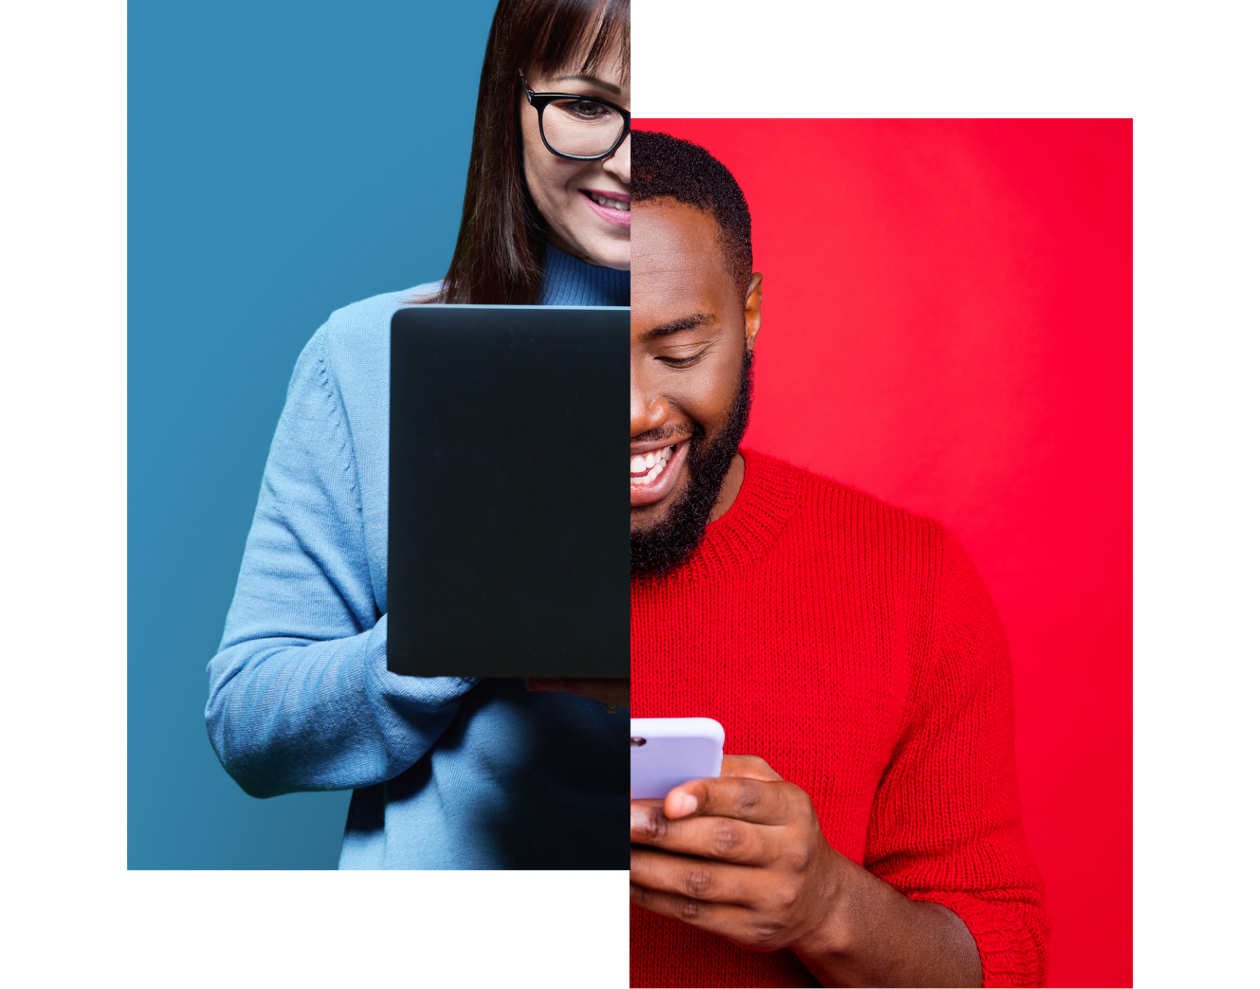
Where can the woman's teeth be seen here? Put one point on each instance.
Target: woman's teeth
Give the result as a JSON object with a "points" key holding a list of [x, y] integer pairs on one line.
{"points": [[620, 204], [653, 462]]}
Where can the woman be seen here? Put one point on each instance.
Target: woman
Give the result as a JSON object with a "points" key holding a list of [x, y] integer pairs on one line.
{"points": [[447, 772]]}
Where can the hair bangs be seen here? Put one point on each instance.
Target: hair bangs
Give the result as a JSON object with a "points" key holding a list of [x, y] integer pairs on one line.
{"points": [[567, 27]]}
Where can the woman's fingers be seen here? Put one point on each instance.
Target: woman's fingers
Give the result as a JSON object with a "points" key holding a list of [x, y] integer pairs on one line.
{"points": [[608, 691]]}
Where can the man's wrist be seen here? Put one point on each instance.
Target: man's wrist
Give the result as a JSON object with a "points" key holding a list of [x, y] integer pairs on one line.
{"points": [[873, 935], [831, 940]]}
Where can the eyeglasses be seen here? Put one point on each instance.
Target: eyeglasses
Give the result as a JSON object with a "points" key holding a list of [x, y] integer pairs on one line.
{"points": [[581, 128]]}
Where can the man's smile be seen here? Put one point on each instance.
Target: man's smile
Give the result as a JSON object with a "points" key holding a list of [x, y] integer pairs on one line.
{"points": [[653, 473]]}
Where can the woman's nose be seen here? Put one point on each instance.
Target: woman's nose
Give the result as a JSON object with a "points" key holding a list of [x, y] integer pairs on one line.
{"points": [[619, 163]]}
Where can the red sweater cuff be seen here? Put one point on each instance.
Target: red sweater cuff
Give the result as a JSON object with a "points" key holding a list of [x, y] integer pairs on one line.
{"points": [[1010, 937]]}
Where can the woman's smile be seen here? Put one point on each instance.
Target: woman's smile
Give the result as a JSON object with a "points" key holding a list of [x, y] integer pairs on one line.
{"points": [[611, 206]]}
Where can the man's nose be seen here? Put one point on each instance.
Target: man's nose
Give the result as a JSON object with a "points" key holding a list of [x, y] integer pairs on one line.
{"points": [[648, 408]]}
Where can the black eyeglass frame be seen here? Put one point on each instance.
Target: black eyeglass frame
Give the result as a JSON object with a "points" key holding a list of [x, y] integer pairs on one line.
{"points": [[540, 102]]}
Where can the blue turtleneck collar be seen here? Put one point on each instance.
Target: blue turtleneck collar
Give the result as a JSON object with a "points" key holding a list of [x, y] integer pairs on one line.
{"points": [[570, 282]]}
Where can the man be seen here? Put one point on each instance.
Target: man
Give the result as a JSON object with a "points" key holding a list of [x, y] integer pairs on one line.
{"points": [[871, 835]]}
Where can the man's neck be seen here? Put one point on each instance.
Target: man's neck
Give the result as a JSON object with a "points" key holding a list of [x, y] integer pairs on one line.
{"points": [[731, 484]]}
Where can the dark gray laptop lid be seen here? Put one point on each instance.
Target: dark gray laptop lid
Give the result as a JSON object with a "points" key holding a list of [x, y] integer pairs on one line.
{"points": [[508, 552]]}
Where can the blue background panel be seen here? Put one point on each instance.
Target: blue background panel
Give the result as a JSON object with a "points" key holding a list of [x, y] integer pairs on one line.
{"points": [[285, 160]]}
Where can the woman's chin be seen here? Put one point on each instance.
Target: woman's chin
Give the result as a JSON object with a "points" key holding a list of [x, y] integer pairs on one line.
{"points": [[606, 254], [608, 248]]}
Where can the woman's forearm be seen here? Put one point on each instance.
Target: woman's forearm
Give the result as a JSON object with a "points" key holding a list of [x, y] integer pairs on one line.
{"points": [[325, 715]]}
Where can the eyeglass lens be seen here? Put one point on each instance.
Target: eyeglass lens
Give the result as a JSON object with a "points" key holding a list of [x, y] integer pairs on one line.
{"points": [[581, 127]]}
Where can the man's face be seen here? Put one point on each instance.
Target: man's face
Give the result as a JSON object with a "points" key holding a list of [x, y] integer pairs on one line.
{"points": [[691, 330]]}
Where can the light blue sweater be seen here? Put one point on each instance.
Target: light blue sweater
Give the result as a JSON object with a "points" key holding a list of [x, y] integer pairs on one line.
{"points": [[448, 773]]}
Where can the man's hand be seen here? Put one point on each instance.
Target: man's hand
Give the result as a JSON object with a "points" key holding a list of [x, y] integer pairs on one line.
{"points": [[759, 870], [615, 692], [743, 856]]}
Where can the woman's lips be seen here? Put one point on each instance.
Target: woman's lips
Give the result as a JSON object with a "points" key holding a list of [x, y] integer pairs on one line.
{"points": [[615, 216], [649, 494]]}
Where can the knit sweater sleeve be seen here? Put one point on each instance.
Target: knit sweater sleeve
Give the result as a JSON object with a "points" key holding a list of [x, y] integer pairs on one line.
{"points": [[300, 698], [946, 823]]}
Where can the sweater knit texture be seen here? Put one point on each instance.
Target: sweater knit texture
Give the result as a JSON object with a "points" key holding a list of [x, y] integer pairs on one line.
{"points": [[853, 647], [448, 773]]}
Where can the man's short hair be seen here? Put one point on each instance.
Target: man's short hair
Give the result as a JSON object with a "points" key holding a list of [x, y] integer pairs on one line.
{"points": [[665, 167]]}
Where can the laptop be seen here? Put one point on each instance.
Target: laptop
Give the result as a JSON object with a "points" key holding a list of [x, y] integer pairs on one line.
{"points": [[508, 539]]}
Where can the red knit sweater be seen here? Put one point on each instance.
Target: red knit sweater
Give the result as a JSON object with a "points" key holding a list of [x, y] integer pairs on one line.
{"points": [[853, 647]]}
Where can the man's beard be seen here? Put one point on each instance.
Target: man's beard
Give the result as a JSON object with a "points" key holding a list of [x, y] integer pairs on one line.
{"points": [[667, 545]]}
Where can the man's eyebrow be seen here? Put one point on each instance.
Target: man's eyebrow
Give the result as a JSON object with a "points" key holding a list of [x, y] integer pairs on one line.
{"points": [[615, 90], [686, 323]]}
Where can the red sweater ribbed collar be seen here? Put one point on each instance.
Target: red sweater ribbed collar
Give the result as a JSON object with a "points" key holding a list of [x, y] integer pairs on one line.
{"points": [[767, 498]]}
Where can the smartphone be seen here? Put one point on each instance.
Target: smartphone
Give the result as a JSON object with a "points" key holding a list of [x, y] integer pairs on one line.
{"points": [[665, 752]]}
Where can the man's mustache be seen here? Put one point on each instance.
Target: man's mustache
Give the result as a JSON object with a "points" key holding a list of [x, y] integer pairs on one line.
{"points": [[677, 431]]}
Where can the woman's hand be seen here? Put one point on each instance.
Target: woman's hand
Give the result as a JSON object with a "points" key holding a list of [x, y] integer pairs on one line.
{"points": [[615, 692]]}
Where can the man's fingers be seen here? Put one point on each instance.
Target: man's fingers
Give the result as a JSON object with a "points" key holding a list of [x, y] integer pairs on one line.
{"points": [[687, 799], [696, 879], [718, 838], [752, 800], [750, 766], [720, 918]]}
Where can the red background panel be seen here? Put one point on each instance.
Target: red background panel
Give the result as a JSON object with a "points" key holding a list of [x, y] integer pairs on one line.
{"points": [[948, 325]]}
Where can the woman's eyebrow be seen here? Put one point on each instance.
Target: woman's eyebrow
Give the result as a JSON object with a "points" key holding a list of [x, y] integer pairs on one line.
{"points": [[686, 323], [615, 90]]}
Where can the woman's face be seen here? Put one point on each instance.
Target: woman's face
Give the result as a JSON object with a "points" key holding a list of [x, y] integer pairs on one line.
{"points": [[565, 191]]}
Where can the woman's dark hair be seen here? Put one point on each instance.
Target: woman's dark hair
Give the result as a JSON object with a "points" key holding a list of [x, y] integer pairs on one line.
{"points": [[498, 254]]}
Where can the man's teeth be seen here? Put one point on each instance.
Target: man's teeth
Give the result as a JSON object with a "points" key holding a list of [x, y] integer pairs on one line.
{"points": [[620, 204], [653, 462]]}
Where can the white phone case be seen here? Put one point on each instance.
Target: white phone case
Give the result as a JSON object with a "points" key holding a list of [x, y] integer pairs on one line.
{"points": [[665, 752]]}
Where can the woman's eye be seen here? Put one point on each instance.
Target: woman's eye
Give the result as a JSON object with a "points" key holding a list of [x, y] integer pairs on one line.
{"points": [[586, 109]]}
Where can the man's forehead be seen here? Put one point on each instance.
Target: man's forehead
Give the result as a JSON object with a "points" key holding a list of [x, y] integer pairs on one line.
{"points": [[668, 234], [676, 257]]}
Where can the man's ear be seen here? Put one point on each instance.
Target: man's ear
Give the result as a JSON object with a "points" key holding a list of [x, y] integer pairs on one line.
{"points": [[752, 310]]}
